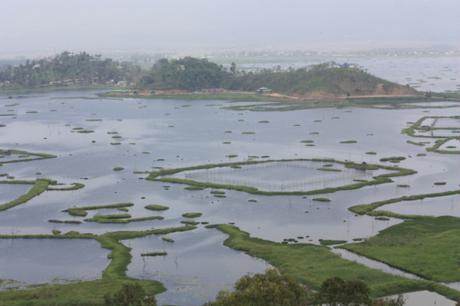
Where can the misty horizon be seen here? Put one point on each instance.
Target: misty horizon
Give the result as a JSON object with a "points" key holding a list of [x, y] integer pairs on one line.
{"points": [[51, 26]]}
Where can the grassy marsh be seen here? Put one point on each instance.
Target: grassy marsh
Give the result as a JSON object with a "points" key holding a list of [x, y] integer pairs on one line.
{"points": [[425, 246], [312, 264]]}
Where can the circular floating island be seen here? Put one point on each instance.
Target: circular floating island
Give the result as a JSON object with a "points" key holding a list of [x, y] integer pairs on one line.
{"points": [[282, 177]]}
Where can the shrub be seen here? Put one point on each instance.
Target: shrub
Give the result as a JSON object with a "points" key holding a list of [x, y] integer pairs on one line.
{"points": [[268, 289], [130, 295]]}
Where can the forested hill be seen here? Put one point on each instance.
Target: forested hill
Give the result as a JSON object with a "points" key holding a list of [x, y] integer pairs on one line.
{"points": [[193, 74], [318, 80], [67, 69], [321, 80]]}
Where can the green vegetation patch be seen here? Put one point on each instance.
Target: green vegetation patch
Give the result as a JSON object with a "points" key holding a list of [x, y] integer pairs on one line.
{"points": [[167, 239], [312, 264], [192, 215], [426, 246], [393, 159], [193, 188], [152, 254], [419, 126], [64, 221], [428, 130], [82, 211], [371, 207], [416, 143], [39, 186], [156, 207], [114, 216], [321, 199], [190, 222], [328, 242], [121, 219], [61, 187], [348, 141], [22, 156], [440, 142], [329, 169]]}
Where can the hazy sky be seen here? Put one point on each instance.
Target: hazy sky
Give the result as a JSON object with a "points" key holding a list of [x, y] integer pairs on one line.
{"points": [[156, 25]]}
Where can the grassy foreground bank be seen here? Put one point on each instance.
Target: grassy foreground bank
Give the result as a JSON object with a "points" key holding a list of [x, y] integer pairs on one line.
{"points": [[426, 246], [312, 264]]}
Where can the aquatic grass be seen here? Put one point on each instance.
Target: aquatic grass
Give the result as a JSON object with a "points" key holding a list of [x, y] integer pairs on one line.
{"points": [[156, 207], [321, 199], [61, 187], [82, 211], [167, 239], [33, 156], [153, 254], [192, 215], [114, 216], [371, 207], [328, 242], [418, 126], [393, 159], [416, 143], [436, 147], [121, 219], [16, 182], [327, 169], [39, 186], [76, 212], [64, 221], [220, 192], [190, 222], [142, 219]]}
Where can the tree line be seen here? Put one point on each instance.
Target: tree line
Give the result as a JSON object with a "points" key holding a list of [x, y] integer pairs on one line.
{"points": [[188, 73], [196, 74], [67, 69], [271, 289]]}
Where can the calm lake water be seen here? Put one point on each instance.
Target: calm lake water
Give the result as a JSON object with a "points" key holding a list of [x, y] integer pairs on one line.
{"points": [[141, 135]]}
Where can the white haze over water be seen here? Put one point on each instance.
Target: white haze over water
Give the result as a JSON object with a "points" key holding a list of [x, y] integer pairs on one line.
{"points": [[49, 26]]}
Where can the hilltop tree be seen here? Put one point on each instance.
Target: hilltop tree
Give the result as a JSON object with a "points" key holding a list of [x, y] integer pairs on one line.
{"points": [[233, 68]]}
